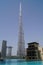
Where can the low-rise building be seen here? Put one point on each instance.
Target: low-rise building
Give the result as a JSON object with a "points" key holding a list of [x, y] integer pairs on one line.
{"points": [[34, 51]]}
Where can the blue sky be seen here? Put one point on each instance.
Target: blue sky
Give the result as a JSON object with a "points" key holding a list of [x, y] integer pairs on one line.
{"points": [[32, 17]]}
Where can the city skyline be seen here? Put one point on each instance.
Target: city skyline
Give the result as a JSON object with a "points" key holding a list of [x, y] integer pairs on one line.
{"points": [[32, 22]]}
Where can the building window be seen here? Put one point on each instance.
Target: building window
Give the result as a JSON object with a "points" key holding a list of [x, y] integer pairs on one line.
{"points": [[33, 57], [29, 57]]}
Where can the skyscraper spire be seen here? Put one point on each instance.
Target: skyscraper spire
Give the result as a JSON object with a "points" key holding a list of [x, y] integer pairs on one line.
{"points": [[21, 43], [20, 9]]}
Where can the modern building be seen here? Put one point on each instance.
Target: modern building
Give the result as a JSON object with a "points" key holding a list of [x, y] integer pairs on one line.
{"points": [[21, 42], [34, 51], [3, 51], [9, 51]]}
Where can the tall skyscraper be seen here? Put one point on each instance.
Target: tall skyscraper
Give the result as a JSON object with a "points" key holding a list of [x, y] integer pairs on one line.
{"points": [[3, 51], [21, 42]]}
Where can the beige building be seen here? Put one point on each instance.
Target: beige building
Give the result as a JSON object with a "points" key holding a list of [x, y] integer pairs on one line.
{"points": [[34, 51], [41, 52]]}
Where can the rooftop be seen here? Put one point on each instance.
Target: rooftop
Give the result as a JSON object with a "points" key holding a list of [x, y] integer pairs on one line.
{"points": [[33, 43]]}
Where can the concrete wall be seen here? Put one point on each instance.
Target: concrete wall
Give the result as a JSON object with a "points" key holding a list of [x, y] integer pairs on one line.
{"points": [[41, 52]]}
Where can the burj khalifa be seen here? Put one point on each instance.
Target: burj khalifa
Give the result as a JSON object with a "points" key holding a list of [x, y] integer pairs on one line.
{"points": [[21, 42]]}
